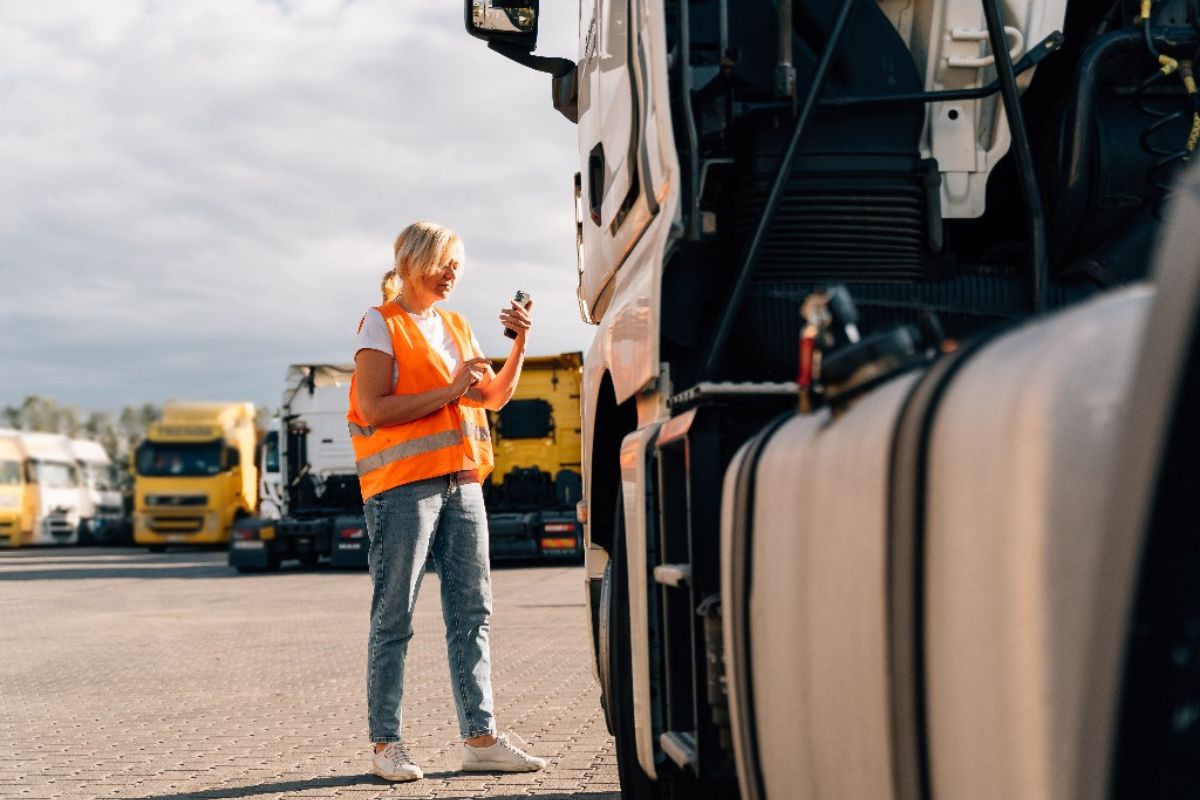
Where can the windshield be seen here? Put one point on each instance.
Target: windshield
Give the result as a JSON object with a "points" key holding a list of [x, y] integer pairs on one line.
{"points": [[10, 473], [271, 452], [54, 474], [101, 477], [179, 458]]}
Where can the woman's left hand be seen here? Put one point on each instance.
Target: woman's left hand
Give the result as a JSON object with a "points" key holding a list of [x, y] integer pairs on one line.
{"points": [[518, 319]]}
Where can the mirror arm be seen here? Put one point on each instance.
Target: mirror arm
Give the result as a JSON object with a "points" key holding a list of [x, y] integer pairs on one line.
{"points": [[557, 67], [564, 89]]}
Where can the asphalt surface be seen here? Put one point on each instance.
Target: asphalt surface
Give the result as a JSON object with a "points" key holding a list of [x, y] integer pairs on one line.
{"points": [[130, 675]]}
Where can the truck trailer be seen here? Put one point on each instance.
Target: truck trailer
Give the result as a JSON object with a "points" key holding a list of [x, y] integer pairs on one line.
{"points": [[889, 443], [195, 474], [533, 491]]}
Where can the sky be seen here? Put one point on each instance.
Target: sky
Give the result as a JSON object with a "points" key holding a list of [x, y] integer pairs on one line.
{"points": [[196, 193]]}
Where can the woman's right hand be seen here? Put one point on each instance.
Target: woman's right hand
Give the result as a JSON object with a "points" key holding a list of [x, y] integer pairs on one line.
{"points": [[470, 373]]}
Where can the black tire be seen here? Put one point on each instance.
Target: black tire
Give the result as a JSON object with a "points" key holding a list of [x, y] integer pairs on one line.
{"points": [[635, 784]]}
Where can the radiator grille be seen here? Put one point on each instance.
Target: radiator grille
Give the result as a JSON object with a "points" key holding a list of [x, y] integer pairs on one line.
{"points": [[841, 227]]}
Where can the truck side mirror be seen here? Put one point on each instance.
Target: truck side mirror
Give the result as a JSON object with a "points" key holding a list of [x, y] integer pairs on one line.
{"points": [[510, 27], [510, 22]]}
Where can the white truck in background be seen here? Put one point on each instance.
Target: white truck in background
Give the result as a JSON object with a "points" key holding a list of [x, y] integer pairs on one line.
{"points": [[56, 486], [320, 513], [101, 505], [889, 435]]}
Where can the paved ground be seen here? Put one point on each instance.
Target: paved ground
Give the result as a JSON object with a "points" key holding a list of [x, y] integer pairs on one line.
{"points": [[124, 674]]}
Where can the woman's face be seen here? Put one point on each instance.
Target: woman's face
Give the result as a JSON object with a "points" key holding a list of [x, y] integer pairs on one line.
{"points": [[438, 285]]}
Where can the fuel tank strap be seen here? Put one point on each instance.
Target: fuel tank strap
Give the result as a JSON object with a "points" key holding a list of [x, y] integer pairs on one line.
{"points": [[905, 568]]}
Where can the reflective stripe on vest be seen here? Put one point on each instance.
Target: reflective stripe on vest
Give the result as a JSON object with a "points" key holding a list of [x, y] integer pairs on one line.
{"points": [[472, 431], [419, 446], [360, 430]]}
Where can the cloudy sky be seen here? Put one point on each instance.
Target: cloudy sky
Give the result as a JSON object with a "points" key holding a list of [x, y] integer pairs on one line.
{"points": [[196, 193]]}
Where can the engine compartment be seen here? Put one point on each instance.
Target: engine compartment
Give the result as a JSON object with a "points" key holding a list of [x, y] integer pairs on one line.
{"points": [[912, 197]]}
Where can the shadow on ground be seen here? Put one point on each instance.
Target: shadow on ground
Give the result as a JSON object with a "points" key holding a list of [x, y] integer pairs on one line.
{"points": [[345, 781]]}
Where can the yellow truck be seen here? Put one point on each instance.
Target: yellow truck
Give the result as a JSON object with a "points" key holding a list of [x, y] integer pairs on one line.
{"points": [[195, 474], [532, 493], [16, 498]]}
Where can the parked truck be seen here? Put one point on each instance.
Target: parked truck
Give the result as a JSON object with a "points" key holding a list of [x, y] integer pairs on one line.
{"points": [[46, 490], [536, 484], [889, 443], [319, 509], [16, 501], [102, 508], [195, 474]]}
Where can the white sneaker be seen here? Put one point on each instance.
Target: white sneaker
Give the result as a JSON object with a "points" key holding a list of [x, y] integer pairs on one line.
{"points": [[503, 756], [395, 764]]}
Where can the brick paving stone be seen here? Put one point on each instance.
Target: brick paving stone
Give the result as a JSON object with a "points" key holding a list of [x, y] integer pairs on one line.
{"points": [[162, 677]]}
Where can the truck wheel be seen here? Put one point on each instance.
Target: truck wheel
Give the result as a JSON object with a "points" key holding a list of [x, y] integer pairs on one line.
{"points": [[635, 784]]}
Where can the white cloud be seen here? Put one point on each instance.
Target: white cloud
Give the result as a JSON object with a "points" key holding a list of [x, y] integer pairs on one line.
{"points": [[195, 194]]}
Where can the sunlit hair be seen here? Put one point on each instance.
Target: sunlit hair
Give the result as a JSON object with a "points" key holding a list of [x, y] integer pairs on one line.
{"points": [[422, 249], [389, 286]]}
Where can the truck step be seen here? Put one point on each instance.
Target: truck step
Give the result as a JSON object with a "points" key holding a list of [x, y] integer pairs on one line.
{"points": [[680, 747], [676, 575]]}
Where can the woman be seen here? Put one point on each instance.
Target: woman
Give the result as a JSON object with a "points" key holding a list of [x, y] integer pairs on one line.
{"points": [[418, 422]]}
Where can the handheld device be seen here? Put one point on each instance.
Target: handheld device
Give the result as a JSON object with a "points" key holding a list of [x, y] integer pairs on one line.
{"points": [[522, 299]]}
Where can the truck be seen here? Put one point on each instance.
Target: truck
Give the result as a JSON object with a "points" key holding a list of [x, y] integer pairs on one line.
{"points": [[534, 488], [16, 501], [102, 507], [195, 474], [319, 511], [43, 489], [889, 444]]}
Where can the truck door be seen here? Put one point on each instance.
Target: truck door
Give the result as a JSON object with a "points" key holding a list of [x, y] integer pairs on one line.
{"points": [[620, 169]]}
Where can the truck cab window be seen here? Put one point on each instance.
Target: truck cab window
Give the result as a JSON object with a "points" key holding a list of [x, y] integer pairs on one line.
{"points": [[157, 459], [10, 473], [526, 419]]}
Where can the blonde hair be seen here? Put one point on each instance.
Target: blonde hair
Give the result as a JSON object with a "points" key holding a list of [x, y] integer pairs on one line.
{"points": [[422, 249], [389, 286]]}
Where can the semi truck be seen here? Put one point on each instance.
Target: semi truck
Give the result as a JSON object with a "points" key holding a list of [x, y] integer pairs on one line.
{"points": [[102, 508], [16, 501], [889, 450], [195, 474], [536, 484], [44, 488], [319, 511]]}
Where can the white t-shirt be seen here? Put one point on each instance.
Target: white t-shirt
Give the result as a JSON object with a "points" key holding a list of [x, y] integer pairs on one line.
{"points": [[374, 335]]}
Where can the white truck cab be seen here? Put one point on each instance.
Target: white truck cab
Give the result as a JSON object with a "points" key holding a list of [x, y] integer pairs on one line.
{"points": [[889, 449], [101, 504], [51, 470]]}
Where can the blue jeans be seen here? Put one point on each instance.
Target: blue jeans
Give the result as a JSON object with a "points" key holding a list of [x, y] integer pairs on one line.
{"points": [[406, 524]]}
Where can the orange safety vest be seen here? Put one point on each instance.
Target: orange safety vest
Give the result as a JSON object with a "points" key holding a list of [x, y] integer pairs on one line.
{"points": [[452, 439]]}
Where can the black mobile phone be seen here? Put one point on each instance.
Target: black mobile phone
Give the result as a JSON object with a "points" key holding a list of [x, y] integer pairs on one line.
{"points": [[522, 299]]}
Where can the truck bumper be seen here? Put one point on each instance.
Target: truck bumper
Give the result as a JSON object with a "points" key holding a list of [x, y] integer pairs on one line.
{"points": [[349, 545]]}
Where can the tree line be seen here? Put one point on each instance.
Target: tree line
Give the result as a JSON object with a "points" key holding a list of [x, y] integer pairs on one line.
{"points": [[117, 433]]}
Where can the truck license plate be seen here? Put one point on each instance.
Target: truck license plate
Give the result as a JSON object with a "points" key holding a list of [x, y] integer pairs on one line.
{"points": [[176, 537]]}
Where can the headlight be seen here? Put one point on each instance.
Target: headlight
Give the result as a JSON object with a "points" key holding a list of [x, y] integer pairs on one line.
{"points": [[9, 501]]}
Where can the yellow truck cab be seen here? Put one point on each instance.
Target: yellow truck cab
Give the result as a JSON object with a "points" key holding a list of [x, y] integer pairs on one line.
{"points": [[16, 496], [195, 474], [536, 484]]}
